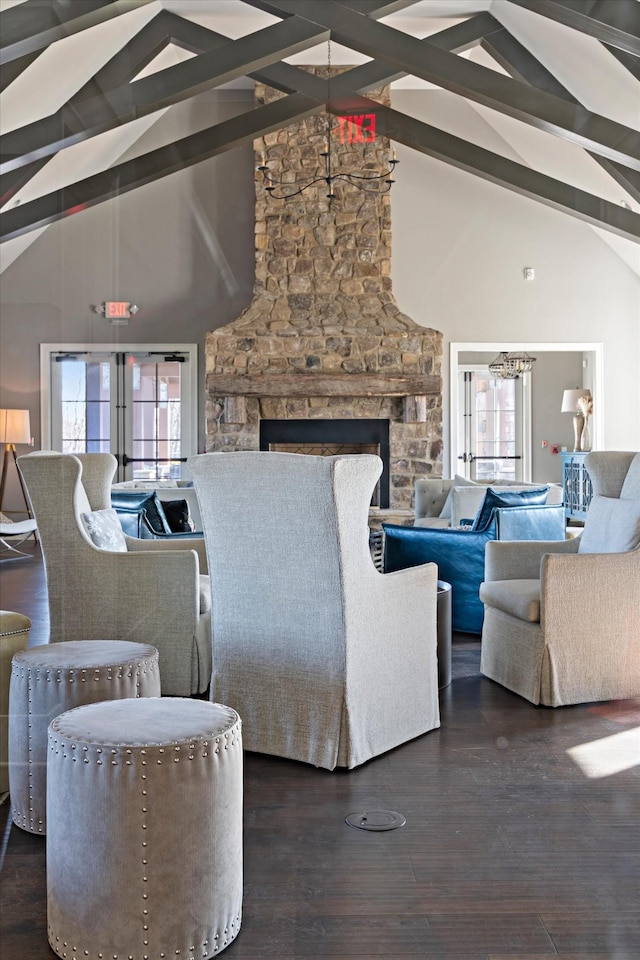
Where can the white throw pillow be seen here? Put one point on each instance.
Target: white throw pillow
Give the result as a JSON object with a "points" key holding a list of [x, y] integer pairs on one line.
{"points": [[612, 526], [458, 481], [105, 531]]}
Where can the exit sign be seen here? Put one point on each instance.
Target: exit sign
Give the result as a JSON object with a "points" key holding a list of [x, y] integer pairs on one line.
{"points": [[117, 309], [357, 128]]}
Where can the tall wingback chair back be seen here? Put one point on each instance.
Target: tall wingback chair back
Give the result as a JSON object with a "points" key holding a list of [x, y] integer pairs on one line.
{"points": [[150, 593], [98, 471], [612, 472], [59, 498], [325, 659]]}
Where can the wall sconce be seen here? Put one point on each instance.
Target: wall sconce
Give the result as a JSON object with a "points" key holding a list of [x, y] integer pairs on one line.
{"points": [[580, 404]]}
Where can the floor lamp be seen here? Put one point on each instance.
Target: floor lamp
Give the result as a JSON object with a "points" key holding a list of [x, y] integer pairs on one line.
{"points": [[14, 428]]}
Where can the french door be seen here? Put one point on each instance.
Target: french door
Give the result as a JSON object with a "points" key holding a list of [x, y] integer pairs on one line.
{"points": [[493, 425], [138, 402]]}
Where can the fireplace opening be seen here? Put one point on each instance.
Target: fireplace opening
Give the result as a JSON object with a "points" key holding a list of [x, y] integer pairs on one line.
{"points": [[329, 438]]}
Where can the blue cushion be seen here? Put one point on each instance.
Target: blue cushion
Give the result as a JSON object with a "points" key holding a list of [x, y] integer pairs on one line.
{"points": [[507, 498]]}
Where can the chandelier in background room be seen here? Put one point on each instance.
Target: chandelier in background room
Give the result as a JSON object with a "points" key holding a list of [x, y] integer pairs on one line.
{"points": [[282, 190], [511, 365]]}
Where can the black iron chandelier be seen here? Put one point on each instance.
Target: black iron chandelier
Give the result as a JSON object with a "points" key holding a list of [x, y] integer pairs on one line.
{"points": [[372, 183]]}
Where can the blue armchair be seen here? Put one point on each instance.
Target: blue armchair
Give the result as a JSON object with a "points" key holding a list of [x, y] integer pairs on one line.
{"points": [[459, 553]]}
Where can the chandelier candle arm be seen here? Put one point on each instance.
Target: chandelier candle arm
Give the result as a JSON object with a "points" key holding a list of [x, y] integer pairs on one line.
{"points": [[284, 189]]}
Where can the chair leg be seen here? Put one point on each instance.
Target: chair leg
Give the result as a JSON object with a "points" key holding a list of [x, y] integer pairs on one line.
{"points": [[20, 554]]}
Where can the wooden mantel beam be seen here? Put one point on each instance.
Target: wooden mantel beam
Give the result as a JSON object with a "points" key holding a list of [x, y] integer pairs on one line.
{"points": [[322, 385]]}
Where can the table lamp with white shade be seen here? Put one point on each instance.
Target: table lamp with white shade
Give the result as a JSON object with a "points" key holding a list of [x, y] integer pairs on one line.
{"points": [[578, 402]]}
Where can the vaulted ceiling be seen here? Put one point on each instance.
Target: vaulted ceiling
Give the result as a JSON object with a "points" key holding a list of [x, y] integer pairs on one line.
{"points": [[557, 80]]}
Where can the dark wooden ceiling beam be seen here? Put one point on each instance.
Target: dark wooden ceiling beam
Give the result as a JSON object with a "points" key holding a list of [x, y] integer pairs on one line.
{"points": [[31, 26], [519, 62], [139, 51], [129, 174], [628, 61], [12, 182], [373, 8], [167, 28], [483, 163], [470, 80], [413, 133], [508, 173], [138, 99], [368, 8], [73, 122], [390, 123], [367, 76], [616, 22], [11, 71]]}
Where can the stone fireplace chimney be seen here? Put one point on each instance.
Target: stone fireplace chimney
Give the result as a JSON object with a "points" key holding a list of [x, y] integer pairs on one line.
{"points": [[323, 339]]}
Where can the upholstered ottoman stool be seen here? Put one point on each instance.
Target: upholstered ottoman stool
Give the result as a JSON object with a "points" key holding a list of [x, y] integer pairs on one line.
{"points": [[51, 678], [14, 636], [144, 839]]}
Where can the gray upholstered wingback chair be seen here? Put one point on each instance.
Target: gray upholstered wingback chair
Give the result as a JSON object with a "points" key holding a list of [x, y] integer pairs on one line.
{"points": [[154, 592], [562, 620], [325, 659]]}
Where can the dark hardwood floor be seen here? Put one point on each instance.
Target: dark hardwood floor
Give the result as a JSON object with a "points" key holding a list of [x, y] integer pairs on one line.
{"points": [[522, 836]]}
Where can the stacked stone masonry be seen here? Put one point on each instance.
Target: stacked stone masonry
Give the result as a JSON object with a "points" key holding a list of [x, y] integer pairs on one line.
{"points": [[323, 308]]}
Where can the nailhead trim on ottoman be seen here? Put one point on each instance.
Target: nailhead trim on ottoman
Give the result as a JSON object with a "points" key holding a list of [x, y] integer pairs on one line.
{"points": [[54, 677], [144, 846], [14, 636]]}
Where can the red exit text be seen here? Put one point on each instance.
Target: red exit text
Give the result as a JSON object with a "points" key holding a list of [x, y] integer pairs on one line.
{"points": [[359, 128]]}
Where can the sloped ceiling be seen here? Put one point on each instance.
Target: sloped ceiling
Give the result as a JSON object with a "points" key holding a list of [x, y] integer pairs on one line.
{"points": [[558, 81]]}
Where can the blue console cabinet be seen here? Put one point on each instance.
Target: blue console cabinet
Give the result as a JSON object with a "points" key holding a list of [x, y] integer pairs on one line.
{"points": [[576, 484]]}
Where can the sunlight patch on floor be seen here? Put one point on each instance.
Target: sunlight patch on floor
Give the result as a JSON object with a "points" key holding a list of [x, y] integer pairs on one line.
{"points": [[608, 756]]}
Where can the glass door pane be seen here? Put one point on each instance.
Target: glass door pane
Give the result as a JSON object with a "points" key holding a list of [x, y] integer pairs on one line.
{"points": [[490, 430], [154, 393], [495, 429], [83, 388]]}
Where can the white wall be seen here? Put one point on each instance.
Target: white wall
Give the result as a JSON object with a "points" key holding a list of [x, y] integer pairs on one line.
{"points": [[459, 248]]}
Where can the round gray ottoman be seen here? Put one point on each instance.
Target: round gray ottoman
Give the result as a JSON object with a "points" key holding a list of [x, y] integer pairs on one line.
{"points": [[144, 846], [14, 636], [54, 677]]}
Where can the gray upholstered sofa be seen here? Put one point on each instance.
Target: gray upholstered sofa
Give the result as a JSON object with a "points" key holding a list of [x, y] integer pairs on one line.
{"points": [[443, 503]]}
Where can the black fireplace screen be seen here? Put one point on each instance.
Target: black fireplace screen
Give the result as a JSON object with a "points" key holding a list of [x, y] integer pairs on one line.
{"points": [[331, 437]]}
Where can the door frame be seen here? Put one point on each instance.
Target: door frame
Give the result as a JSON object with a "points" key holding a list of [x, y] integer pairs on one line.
{"points": [[595, 352]]}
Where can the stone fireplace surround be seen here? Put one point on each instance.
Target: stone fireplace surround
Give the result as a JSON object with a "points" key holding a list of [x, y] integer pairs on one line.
{"points": [[323, 338]]}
